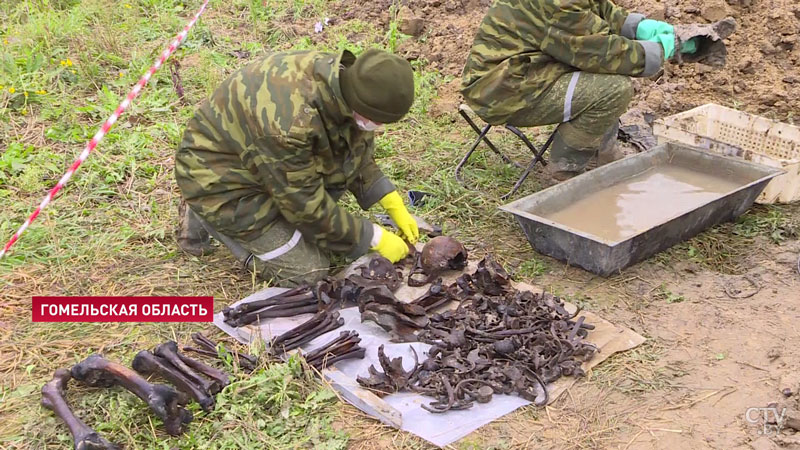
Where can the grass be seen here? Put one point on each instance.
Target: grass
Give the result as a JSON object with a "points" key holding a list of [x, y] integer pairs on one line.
{"points": [[276, 406], [636, 371], [668, 296], [725, 248], [110, 232]]}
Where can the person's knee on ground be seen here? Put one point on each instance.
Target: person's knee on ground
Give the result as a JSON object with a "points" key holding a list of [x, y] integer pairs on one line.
{"points": [[192, 237], [280, 256], [283, 257], [306, 265]]}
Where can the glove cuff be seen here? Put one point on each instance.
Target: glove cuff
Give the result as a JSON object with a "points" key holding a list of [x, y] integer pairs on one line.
{"points": [[391, 200], [377, 235]]}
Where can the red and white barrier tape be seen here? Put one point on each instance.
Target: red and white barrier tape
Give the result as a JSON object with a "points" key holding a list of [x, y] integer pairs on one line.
{"points": [[106, 127]]}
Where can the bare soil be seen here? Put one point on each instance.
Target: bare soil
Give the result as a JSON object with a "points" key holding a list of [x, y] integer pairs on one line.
{"points": [[718, 344], [761, 76]]}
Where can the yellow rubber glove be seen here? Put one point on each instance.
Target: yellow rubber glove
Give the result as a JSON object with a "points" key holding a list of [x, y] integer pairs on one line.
{"points": [[393, 204], [388, 244]]}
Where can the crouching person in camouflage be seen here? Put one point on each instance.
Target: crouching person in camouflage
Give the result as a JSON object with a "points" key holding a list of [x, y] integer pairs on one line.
{"points": [[539, 62], [264, 161]]}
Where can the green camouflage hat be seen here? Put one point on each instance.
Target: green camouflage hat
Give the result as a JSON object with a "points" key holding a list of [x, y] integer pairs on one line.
{"points": [[379, 86]]}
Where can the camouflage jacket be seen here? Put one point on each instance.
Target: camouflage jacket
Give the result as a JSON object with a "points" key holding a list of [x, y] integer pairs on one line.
{"points": [[523, 46], [277, 139]]}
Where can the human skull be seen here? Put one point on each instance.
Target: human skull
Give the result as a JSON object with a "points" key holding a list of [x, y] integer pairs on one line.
{"points": [[442, 253]]}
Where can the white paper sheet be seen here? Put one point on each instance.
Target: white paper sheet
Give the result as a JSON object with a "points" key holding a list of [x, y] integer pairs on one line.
{"points": [[438, 429]]}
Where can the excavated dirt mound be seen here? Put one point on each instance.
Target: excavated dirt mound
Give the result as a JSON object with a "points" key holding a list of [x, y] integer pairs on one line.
{"points": [[762, 75], [763, 71], [442, 30]]}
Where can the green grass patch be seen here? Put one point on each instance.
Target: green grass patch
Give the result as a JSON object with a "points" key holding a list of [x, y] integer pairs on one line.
{"points": [[277, 406]]}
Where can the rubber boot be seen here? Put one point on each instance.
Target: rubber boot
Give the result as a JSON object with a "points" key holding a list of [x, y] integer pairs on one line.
{"points": [[192, 236], [566, 161], [608, 151], [239, 252]]}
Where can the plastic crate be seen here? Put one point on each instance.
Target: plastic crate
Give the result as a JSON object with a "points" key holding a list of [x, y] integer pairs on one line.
{"points": [[737, 134]]}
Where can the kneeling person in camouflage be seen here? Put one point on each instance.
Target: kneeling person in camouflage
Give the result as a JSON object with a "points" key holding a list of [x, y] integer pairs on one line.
{"points": [[264, 161], [540, 62]]}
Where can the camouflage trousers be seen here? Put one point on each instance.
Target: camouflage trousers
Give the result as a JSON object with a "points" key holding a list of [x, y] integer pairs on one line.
{"points": [[587, 106], [280, 255]]}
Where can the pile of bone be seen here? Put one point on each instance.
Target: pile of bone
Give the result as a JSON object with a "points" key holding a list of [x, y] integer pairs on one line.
{"points": [[372, 288], [373, 285], [343, 347], [498, 340], [300, 300], [297, 301], [192, 379]]}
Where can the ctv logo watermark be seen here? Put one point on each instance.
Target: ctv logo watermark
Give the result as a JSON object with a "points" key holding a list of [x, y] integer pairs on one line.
{"points": [[771, 419]]}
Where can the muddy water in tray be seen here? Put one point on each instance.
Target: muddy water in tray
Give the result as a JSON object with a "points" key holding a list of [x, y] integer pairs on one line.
{"points": [[642, 202]]}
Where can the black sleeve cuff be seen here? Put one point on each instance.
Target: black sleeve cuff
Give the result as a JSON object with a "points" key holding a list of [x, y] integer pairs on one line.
{"points": [[364, 242], [374, 193]]}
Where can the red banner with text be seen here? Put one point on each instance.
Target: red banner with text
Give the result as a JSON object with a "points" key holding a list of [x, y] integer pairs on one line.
{"points": [[123, 309]]}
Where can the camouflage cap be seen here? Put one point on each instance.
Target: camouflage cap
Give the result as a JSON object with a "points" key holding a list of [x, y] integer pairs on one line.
{"points": [[379, 86]]}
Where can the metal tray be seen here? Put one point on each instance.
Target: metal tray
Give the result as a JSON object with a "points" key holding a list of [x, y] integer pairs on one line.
{"points": [[605, 257]]}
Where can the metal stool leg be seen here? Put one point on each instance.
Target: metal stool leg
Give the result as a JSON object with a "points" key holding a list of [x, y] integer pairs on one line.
{"points": [[491, 145], [537, 158], [539, 155], [466, 157]]}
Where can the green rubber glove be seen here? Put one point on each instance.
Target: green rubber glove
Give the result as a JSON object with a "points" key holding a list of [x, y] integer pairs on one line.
{"points": [[657, 31], [689, 46], [389, 245], [393, 204]]}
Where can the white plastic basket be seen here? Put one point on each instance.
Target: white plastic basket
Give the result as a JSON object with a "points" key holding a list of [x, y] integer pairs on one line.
{"points": [[746, 136]]}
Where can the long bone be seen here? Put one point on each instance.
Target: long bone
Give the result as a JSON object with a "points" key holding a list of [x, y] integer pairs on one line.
{"points": [[287, 310], [300, 292], [147, 363], [167, 403], [247, 362], [318, 325], [356, 353], [343, 347], [169, 351], [217, 375], [84, 438]]}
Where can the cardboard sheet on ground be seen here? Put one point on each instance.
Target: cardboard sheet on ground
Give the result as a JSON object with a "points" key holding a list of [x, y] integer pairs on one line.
{"points": [[402, 410]]}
